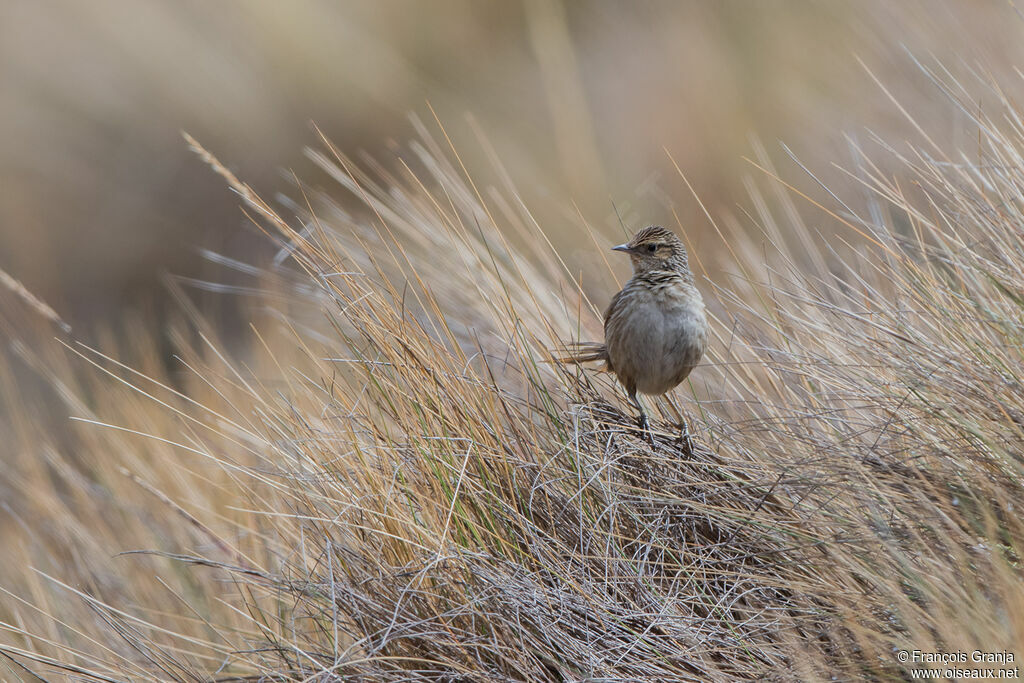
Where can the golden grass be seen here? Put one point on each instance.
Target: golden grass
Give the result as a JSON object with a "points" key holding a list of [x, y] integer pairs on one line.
{"points": [[388, 479]]}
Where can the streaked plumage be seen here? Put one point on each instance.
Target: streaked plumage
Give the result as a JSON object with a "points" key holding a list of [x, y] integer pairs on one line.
{"points": [[655, 328]]}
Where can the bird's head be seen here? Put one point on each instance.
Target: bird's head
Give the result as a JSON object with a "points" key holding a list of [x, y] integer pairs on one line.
{"points": [[655, 248]]}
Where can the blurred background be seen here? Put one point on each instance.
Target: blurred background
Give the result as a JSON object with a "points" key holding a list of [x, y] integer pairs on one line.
{"points": [[99, 194]]}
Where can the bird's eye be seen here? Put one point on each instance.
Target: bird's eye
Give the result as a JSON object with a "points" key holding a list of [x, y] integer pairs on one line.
{"points": [[652, 248]]}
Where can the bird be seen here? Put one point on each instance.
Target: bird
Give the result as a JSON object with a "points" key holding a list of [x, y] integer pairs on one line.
{"points": [[655, 328]]}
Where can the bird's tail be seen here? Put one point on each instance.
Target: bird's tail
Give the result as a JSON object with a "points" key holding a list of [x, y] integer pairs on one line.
{"points": [[581, 352]]}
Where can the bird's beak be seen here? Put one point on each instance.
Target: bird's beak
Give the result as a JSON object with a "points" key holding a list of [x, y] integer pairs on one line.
{"points": [[621, 247]]}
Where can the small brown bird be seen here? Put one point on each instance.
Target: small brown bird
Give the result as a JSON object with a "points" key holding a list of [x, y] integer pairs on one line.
{"points": [[655, 328]]}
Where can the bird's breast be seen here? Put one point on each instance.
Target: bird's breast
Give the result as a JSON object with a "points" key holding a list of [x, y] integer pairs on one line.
{"points": [[656, 333]]}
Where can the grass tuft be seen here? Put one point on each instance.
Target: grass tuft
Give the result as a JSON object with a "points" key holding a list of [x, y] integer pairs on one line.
{"points": [[390, 478]]}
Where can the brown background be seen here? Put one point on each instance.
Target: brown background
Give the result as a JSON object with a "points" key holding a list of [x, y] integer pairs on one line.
{"points": [[99, 195]]}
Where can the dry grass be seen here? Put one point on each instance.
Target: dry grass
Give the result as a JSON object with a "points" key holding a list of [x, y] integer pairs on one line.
{"points": [[389, 480]]}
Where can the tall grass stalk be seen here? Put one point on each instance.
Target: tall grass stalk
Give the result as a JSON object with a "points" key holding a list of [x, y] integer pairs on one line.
{"points": [[390, 479]]}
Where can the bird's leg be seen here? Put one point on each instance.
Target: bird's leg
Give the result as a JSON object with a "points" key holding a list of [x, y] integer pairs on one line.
{"points": [[684, 437], [642, 422]]}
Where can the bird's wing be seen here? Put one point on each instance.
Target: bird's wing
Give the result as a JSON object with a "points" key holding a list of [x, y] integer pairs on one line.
{"points": [[612, 307]]}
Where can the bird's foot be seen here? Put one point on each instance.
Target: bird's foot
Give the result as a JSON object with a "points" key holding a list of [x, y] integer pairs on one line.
{"points": [[685, 441], [645, 428]]}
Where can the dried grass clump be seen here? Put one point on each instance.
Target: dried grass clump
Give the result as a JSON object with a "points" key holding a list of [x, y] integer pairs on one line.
{"points": [[397, 483]]}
